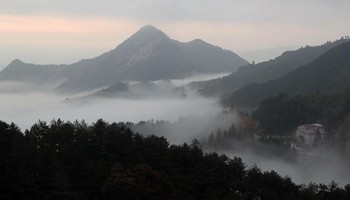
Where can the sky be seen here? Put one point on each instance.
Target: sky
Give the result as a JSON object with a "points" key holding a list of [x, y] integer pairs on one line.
{"points": [[63, 32]]}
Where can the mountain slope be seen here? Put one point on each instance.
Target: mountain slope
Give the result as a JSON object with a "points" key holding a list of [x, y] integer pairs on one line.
{"points": [[265, 71], [147, 55], [210, 57], [36, 74], [329, 72]]}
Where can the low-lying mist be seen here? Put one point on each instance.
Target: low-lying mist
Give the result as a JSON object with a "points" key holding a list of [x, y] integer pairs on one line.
{"points": [[188, 128], [27, 108], [180, 118], [323, 166], [21, 104]]}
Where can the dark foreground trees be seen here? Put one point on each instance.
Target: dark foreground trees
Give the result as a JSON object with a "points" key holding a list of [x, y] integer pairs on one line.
{"points": [[65, 160]]}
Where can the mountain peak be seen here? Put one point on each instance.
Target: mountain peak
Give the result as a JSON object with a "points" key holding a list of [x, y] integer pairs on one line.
{"points": [[199, 42], [149, 27], [16, 62], [150, 32]]}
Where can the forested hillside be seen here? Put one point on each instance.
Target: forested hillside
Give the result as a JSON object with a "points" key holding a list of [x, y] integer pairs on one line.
{"points": [[65, 160], [330, 72], [265, 71]]}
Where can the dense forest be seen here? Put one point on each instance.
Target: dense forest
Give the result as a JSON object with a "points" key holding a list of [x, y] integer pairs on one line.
{"points": [[283, 113], [327, 73], [273, 123], [74, 160], [265, 71]]}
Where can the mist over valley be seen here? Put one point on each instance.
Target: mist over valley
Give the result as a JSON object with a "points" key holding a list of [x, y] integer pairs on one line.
{"points": [[157, 118]]}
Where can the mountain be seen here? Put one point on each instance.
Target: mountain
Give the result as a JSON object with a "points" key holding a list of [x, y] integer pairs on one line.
{"points": [[147, 55], [35, 74], [209, 58], [328, 73], [139, 90], [264, 71]]}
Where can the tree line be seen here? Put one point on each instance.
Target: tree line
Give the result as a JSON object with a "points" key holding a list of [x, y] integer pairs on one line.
{"points": [[75, 160]]}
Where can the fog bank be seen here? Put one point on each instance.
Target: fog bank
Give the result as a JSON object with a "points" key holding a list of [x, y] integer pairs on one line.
{"points": [[181, 119], [21, 104], [322, 166]]}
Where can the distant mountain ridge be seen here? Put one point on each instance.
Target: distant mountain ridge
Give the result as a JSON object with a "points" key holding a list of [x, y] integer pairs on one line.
{"points": [[35, 74], [147, 55], [264, 71], [328, 73]]}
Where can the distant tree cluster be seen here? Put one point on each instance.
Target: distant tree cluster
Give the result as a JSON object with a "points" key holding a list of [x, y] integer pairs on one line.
{"points": [[279, 115], [151, 127], [244, 136], [74, 160], [233, 137]]}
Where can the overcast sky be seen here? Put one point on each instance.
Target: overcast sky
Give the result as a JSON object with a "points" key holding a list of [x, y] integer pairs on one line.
{"points": [[51, 31]]}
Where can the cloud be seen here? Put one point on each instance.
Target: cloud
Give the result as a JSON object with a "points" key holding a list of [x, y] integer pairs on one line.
{"points": [[46, 39], [25, 106], [323, 166], [182, 10], [84, 28]]}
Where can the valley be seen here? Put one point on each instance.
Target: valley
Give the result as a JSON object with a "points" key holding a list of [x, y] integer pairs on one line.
{"points": [[159, 118]]}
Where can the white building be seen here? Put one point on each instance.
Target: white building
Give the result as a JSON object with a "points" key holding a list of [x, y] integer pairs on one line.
{"points": [[310, 135]]}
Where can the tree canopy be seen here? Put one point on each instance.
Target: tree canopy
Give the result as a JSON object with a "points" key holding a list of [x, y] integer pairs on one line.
{"points": [[75, 160]]}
